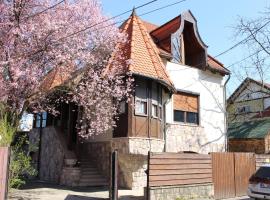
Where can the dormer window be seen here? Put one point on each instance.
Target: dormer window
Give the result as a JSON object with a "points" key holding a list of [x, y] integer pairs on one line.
{"points": [[180, 37], [176, 48]]}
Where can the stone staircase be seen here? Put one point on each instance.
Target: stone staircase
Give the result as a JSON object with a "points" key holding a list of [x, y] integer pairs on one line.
{"points": [[90, 176]]}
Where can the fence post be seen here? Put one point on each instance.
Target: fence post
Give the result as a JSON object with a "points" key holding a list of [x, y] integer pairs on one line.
{"points": [[4, 172], [114, 176], [147, 174]]}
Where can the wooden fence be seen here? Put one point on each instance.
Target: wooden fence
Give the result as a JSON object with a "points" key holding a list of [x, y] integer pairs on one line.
{"points": [[179, 169], [231, 172], [4, 162], [228, 172]]}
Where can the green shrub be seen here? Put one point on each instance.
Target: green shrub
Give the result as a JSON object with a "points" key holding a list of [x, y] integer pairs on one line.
{"points": [[20, 163]]}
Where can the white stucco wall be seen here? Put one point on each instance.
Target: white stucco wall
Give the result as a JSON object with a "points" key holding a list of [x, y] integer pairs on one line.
{"points": [[210, 87]]}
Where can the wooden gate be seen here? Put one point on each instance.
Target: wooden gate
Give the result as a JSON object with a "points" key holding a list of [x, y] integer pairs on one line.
{"points": [[231, 172], [4, 161]]}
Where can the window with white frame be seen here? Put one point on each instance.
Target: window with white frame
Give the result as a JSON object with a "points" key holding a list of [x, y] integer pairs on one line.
{"points": [[141, 105]]}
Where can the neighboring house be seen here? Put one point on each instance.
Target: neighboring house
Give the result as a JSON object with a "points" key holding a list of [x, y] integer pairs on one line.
{"points": [[178, 105], [248, 114], [250, 136], [249, 99]]}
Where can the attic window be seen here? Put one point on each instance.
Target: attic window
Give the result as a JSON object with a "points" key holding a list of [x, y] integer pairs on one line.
{"points": [[186, 47], [176, 48]]}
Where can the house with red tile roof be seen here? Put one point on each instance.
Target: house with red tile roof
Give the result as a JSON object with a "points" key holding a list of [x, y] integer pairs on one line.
{"points": [[178, 105]]}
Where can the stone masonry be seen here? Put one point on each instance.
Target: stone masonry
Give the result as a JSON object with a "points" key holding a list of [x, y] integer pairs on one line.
{"points": [[52, 156], [189, 138], [132, 156], [198, 191]]}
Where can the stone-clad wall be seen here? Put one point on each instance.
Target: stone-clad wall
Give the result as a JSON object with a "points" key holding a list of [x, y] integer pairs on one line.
{"points": [[132, 157], [198, 191], [189, 138], [137, 145], [52, 156], [132, 171], [99, 154]]}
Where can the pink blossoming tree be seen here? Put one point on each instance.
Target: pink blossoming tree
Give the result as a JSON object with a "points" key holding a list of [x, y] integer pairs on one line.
{"points": [[37, 36]]}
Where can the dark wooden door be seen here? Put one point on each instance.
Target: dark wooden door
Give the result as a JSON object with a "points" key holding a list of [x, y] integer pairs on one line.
{"points": [[245, 165], [223, 175]]}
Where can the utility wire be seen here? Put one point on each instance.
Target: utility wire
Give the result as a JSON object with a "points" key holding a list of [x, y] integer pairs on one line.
{"points": [[240, 42], [45, 10], [89, 27], [237, 62], [151, 11], [163, 7]]}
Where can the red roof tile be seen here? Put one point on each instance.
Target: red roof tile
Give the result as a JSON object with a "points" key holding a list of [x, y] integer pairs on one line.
{"points": [[143, 52], [54, 78], [216, 65]]}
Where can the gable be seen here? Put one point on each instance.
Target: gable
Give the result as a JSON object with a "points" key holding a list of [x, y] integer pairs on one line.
{"points": [[249, 89]]}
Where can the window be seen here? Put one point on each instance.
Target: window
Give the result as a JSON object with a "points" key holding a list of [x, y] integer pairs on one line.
{"points": [[141, 105], [179, 116], [122, 107], [156, 101], [176, 48], [154, 111], [192, 117], [43, 121], [243, 109], [186, 108]]}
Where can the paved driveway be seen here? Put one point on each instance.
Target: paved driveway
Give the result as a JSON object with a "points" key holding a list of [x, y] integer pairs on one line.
{"points": [[42, 191]]}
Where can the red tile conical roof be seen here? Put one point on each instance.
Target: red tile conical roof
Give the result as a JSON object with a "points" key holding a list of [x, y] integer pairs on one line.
{"points": [[143, 52]]}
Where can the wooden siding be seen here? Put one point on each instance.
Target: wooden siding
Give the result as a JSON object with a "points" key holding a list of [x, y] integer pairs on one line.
{"points": [[4, 161], [185, 102], [179, 169], [145, 125], [247, 145]]}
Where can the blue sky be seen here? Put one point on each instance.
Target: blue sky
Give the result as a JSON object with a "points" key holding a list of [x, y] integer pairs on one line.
{"points": [[216, 19]]}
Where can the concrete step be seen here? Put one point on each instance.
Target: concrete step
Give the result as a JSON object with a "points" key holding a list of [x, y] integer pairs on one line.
{"points": [[85, 172], [91, 176], [93, 184]]}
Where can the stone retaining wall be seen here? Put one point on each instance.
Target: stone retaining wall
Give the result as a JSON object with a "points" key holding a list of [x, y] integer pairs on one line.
{"points": [[198, 191], [52, 156], [185, 138], [132, 157], [137, 145], [99, 154]]}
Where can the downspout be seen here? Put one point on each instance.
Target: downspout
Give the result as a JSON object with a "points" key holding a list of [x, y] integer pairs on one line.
{"points": [[165, 123], [225, 114]]}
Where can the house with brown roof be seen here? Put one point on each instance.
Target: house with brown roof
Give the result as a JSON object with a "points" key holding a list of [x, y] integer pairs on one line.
{"points": [[178, 105], [248, 114], [249, 100]]}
